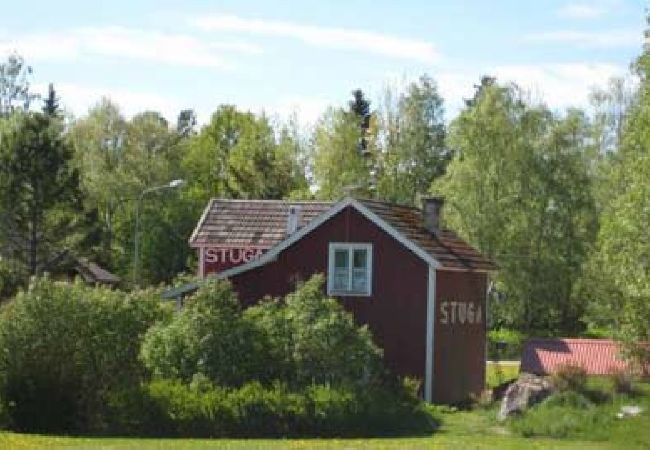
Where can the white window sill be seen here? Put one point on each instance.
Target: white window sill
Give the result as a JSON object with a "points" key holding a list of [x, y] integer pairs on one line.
{"points": [[348, 294]]}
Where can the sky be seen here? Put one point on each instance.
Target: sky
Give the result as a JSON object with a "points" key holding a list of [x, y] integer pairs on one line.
{"points": [[289, 56]]}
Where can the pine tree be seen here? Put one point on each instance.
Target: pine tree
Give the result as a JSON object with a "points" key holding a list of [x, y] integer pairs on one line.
{"points": [[51, 103]]}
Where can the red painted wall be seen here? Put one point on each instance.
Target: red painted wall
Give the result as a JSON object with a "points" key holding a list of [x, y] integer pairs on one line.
{"points": [[459, 335], [396, 311]]}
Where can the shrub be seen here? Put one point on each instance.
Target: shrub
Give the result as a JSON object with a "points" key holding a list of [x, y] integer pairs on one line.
{"points": [[254, 410], [302, 339], [622, 382], [208, 337], [513, 341], [312, 339], [562, 422], [570, 377], [570, 399], [65, 348], [10, 280]]}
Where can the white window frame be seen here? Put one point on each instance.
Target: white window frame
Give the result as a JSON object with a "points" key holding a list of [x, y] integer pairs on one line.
{"points": [[349, 247]]}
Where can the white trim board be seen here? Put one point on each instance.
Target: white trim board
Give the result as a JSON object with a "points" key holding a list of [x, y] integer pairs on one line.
{"points": [[431, 321], [274, 252], [200, 223]]}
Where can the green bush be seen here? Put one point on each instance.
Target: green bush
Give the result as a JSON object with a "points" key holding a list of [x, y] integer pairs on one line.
{"points": [[311, 339], [513, 341], [254, 410], [66, 348], [569, 399], [622, 382], [570, 377], [208, 336], [10, 280], [561, 422], [302, 339]]}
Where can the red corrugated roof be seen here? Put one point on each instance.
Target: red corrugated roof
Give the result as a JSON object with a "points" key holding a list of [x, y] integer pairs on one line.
{"points": [[596, 356], [263, 223]]}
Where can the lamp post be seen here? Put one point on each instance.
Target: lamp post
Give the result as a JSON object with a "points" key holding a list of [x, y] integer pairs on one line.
{"points": [[136, 257]]}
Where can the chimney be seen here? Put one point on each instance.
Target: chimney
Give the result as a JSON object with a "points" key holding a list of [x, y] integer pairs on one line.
{"points": [[293, 219], [431, 212]]}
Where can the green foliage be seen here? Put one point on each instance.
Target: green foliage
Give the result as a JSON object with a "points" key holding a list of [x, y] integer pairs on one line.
{"points": [[254, 410], [39, 193], [570, 377], [519, 190], [561, 422], [303, 339], [10, 280], [118, 160], [622, 382], [569, 399], [513, 341], [237, 155], [65, 348], [339, 169], [616, 283], [313, 340], [208, 337], [413, 152], [15, 92]]}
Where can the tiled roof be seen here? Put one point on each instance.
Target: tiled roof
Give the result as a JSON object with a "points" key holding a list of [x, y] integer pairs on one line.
{"points": [[93, 273], [596, 356], [263, 223], [445, 246], [250, 222]]}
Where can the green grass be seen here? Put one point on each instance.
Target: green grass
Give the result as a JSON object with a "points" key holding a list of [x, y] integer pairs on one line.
{"points": [[476, 429], [498, 373]]}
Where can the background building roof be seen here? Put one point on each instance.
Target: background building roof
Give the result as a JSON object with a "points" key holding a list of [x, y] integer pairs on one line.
{"points": [[596, 356]]}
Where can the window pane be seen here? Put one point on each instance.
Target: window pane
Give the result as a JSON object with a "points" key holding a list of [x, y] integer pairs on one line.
{"points": [[340, 282], [360, 259], [359, 280], [341, 259]]}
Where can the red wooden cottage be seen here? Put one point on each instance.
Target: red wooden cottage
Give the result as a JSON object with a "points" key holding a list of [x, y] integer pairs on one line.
{"points": [[421, 289]]}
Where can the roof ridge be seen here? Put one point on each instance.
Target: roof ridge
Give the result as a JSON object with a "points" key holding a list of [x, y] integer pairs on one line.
{"points": [[250, 200], [581, 340], [387, 203]]}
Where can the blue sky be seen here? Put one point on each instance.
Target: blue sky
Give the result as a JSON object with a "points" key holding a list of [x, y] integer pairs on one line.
{"points": [[287, 55]]}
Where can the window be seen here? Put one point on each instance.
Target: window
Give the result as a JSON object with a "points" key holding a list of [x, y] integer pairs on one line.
{"points": [[350, 269]]}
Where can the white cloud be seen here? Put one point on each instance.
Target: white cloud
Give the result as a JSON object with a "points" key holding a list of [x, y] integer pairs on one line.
{"points": [[327, 37], [558, 85], [78, 99], [581, 11], [598, 39], [120, 42]]}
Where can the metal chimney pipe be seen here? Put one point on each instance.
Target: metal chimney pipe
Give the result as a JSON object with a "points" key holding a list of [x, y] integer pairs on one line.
{"points": [[293, 219], [432, 212]]}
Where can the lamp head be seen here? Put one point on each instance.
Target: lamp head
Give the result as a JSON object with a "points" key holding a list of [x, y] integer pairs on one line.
{"points": [[176, 183]]}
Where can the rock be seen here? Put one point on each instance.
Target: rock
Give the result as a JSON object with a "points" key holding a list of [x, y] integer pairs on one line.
{"points": [[526, 391], [629, 411]]}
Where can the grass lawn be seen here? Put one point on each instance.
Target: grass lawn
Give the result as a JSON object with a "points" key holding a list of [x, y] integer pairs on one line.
{"points": [[475, 429], [500, 372]]}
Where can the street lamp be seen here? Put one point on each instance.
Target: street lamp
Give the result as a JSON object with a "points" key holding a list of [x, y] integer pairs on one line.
{"points": [[136, 258]]}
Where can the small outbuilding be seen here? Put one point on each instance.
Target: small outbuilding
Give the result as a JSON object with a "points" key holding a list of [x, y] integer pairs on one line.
{"points": [[420, 289], [596, 356]]}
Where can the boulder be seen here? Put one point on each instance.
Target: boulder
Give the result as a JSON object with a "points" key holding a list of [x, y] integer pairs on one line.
{"points": [[526, 391]]}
